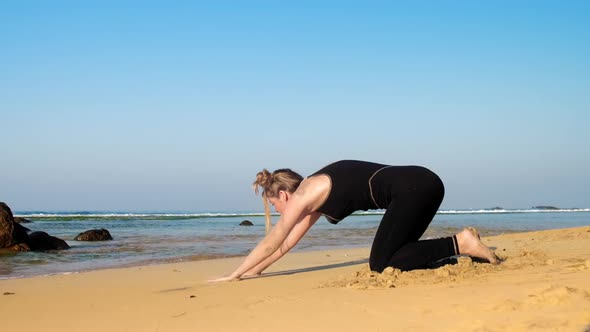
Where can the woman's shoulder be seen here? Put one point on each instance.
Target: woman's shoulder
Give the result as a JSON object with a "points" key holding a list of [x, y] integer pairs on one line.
{"points": [[315, 182], [314, 190]]}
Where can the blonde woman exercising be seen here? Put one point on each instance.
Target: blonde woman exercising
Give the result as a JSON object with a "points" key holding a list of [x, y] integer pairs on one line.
{"points": [[410, 195]]}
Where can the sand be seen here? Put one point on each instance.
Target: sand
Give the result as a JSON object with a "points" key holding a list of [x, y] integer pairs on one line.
{"points": [[543, 284]]}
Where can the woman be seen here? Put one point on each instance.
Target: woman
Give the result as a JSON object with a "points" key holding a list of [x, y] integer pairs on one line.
{"points": [[410, 196]]}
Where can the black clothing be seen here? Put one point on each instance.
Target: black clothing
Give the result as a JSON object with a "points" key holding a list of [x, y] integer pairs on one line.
{"points": [[350, 190], [411, 196]]}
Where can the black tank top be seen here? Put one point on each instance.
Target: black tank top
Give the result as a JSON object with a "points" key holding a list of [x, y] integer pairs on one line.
{"points": [[351, 188]]}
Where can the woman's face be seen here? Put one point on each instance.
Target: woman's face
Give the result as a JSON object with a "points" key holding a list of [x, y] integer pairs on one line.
{"points": [[279, 202]]}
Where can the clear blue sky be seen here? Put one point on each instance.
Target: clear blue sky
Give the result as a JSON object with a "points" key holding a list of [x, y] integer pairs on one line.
{"points": [[174, 106]]}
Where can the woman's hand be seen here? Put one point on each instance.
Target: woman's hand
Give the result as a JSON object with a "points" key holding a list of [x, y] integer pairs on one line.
{"points": [[300, 210], [250, 275], [227, 278]]}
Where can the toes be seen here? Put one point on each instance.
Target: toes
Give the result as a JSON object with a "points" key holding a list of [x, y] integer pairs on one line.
{"points": [[474, 232], [496, 260]]}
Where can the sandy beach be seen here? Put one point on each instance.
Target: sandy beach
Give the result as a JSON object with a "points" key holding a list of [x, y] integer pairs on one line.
{"points": [[543, 284]]}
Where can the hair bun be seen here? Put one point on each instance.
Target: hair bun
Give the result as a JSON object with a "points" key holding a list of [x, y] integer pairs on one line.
{"points": [[263, 180]]}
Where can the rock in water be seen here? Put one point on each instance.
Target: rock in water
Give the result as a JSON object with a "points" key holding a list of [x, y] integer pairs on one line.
{"points": [[40, 241], [11, 233], [21, 229], [246, 223], [94, 235]]}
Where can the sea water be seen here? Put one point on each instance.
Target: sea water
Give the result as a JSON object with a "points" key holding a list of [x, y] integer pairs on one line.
{"points": [[152, 238]]}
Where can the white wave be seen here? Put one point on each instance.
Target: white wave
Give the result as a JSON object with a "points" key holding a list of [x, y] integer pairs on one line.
{"points": [[258, 214]]}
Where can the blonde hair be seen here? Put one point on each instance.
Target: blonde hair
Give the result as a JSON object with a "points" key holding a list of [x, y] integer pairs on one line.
{"points": [[271, 183]]}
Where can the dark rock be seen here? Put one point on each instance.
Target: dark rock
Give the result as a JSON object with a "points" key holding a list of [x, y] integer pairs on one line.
{"points": [[20, 228], [40, 241], [6, 226], [94, 235], [246, 223], [11, 233], [20, 220]]}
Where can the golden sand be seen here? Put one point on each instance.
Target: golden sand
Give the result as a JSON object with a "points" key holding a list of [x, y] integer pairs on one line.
{"points": [[543, 284]]}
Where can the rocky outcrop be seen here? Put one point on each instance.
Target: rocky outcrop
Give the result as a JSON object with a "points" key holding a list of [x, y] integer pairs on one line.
{"points": [[21, 229], [94, 235], [11, 233], [246, 223], [41, 241], [6, 227], [14, 236]]}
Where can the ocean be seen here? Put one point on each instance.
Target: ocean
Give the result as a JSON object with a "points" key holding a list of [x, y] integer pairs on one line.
{"points": [[154, 238]]}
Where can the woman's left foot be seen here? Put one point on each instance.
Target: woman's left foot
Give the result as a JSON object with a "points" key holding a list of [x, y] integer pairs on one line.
{"points": [[470, 244]]}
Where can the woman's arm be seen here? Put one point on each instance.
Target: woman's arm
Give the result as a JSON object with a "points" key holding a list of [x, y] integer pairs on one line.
{"points": [[291, 241], [271, 242], [302, 204]]}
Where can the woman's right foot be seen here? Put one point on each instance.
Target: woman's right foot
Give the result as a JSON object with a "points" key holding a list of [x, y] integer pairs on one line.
{"points": [[470, 244]]}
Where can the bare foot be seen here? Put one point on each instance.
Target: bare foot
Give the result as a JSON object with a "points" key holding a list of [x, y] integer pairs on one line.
{"points": [[474, 232], [470, 244]]}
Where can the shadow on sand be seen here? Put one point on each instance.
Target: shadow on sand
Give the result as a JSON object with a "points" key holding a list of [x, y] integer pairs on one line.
{"points": [[310, 269]]}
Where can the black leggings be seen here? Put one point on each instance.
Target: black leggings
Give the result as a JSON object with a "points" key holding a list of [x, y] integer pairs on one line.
{"points": [[414, 197]]}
